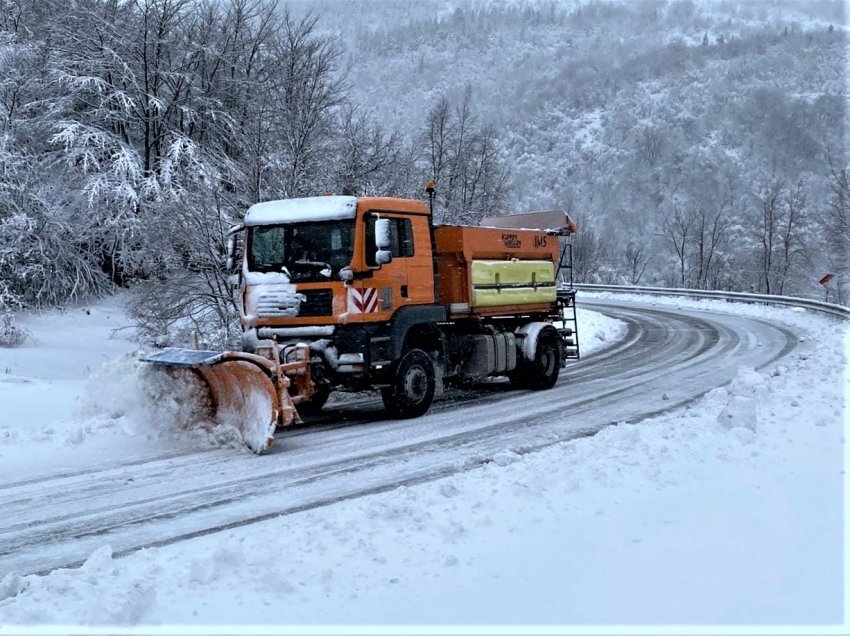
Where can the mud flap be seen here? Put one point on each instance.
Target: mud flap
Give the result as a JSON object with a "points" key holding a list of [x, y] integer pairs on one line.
{"points": [[244, 391]]}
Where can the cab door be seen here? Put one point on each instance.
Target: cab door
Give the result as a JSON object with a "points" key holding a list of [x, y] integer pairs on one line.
{"points": [[420, 263], [377, 296]]}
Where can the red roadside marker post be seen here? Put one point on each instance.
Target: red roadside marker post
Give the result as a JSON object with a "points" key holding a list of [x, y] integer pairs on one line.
{"points": [[825, 282]]}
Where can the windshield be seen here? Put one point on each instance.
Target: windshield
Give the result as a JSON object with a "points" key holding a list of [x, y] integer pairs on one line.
{"points": [[304, 251]]}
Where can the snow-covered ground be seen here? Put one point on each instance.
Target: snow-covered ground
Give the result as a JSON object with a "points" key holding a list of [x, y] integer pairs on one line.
{"points": [[71, 394], [726, 511]]}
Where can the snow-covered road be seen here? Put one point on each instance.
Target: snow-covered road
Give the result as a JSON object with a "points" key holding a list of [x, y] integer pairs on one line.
{"points": [[665, 358]]}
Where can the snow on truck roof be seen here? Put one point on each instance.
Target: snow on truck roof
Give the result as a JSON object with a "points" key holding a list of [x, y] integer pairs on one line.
{"points": [[331, 208]]}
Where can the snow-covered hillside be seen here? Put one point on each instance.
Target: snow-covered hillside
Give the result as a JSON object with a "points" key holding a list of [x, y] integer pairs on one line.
{"points": [[629, 113], [728, 510]]}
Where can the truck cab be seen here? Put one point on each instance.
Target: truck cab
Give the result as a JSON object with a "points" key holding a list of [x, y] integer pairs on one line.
{"points": [[337, 272]]}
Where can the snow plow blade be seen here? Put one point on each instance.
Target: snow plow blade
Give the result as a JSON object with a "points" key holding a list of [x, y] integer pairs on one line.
{"points": [[242, 390]]}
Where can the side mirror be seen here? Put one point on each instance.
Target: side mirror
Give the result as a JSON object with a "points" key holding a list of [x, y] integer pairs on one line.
{"points": [[382, 234], [382, 257], [231, 251], [231, 246]]}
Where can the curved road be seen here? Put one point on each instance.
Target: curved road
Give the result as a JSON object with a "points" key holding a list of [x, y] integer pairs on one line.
{"points": [[666, 358]]}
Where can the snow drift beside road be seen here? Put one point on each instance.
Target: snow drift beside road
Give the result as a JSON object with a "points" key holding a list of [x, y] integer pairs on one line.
{"points": [[76, 393], [728, 510]]}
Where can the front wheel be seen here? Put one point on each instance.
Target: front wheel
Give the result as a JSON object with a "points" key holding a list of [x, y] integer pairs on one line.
{"points": [[412, 390], [317, 400]]}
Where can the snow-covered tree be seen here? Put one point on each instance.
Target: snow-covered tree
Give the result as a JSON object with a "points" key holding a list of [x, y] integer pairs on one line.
{"points": [[463, 157]]}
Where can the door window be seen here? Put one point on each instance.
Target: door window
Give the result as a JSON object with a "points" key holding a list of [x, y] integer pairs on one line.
{"points": [[401, 239]]}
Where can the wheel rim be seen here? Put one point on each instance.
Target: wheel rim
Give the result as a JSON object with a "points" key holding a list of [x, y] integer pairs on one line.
{"points": [[415, 384], [547, 361]]}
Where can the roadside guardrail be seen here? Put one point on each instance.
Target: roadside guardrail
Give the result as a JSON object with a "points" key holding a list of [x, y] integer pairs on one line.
{"points": [[742, 297]]}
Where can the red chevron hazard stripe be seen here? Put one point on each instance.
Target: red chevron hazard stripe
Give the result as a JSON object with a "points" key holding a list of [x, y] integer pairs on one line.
{"points": [[362, 301]]}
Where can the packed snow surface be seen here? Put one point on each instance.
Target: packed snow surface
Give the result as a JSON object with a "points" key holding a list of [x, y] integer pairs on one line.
{"points": [[728, 510]]}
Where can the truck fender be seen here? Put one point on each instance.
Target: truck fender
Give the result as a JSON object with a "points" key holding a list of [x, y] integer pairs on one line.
{"points": [[408, 317], [527, 337]]}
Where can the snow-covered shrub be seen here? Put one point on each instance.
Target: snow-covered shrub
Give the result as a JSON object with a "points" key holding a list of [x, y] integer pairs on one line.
{"points": [[11, 334], [187, 294], [8, 298], [43, 263], [183, 310], [47, 253]]}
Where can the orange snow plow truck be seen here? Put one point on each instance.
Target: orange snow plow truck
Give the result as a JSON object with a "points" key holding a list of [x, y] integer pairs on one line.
{"points": [[347, 293]]}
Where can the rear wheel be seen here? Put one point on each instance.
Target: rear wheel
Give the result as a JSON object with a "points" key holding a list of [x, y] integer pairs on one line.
{"points": [[541, 372], [412, 390]]}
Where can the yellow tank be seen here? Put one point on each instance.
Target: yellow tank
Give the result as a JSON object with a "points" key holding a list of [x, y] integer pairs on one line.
{"points": [[514, 282]]}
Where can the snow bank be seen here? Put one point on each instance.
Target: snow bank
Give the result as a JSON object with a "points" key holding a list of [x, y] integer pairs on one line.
{"points": [[97, 589], [44, 384], [596, 331], [76, 393], [798, 317], [69, 344]]}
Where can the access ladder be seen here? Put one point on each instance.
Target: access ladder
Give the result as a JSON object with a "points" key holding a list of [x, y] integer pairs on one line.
{"points": [[566, 296]]}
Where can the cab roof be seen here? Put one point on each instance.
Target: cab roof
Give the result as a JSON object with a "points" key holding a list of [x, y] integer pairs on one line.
{"points": [[325, 208], [331, 208]]}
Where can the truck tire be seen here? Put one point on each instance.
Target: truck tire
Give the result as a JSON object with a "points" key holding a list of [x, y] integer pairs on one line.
{"points": [[317, 401], [542, 372], [412, 390]]}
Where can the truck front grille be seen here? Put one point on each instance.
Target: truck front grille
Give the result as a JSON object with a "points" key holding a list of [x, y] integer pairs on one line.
{"points": [[317, 302], [277, 303]]}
